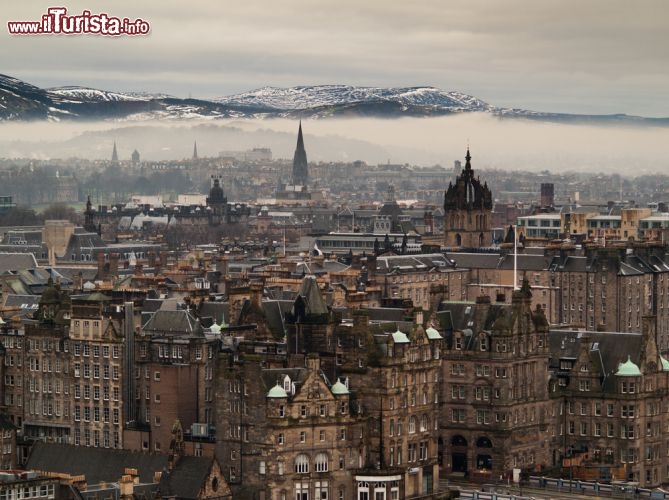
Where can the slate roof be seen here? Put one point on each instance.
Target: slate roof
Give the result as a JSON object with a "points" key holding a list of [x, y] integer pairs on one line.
{"points": [[412, 262], [383, 314], [97, 464], [313, 299], [179, 322], [275, 312], [216, 310], [16, 261], [187, 479], [475, 260], [27, 304], [272, 376], [607, 350]]}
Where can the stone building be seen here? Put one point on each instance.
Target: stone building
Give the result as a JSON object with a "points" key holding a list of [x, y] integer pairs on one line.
{"points": [[467, 211], [37, 377], [609, 393], [396, 376], [285, 432], [97, 353], [496, 409], [65, 372], [611, 289], [173, 380]]}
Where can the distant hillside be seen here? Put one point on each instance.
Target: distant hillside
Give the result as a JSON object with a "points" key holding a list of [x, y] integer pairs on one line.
{"points": [[21, 101]]}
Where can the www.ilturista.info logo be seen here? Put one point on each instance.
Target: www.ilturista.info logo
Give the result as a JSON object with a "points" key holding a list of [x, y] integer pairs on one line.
{"points": [[56, 21]]}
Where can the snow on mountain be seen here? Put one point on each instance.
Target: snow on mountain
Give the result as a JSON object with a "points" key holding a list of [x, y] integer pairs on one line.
{"points": [[22, 101], [319, 96], [78, 94]]}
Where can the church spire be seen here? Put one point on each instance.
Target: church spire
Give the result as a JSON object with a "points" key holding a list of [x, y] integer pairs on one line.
{"points": [[300, 172], [114, 154], [194, 150]]}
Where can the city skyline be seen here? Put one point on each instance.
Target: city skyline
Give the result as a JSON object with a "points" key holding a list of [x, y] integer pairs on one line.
{"points": [[599, 57]]}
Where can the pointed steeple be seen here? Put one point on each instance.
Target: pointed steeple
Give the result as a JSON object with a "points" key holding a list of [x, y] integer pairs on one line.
{"points": [[114, 154], [468, 160], [300, 172], [194, 150]]}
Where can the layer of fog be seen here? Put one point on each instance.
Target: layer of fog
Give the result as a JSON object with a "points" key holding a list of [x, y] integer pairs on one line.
{"points": [[494, 143]]}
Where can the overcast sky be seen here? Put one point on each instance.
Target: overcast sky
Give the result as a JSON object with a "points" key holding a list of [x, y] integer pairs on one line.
{"points": [[575, 56]]}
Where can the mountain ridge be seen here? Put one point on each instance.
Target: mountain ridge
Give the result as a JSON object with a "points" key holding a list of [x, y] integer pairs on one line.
{"points": [[22, 101]]}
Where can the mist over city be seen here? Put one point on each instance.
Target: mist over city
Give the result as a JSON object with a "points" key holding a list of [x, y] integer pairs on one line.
{"points": [[496, 143]]}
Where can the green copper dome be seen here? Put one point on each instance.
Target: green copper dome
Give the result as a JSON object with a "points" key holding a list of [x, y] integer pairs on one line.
{"points": [[400, 337], [339, 389], [277, 392], [665, 364], [433, 334], [628, 369]]}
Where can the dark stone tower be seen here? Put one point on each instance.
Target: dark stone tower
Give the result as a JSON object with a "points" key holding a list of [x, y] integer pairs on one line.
{"points": [[547, 195], [300, 171], [114, 154], [89, 217], [467, 211], [217, 202]]}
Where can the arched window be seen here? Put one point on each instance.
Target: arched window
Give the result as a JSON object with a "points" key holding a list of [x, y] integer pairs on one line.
{"points": [[424, 423], [458, 440], [302, 464], [484, 442], [321, 462], [412, 424]]}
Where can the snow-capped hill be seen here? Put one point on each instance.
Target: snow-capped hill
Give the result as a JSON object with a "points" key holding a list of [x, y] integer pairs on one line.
{"points": [[22, 101], [320, 96], [80, 94]]}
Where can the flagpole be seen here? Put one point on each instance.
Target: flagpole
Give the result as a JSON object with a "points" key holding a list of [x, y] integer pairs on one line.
{"points": [[515, 257]]}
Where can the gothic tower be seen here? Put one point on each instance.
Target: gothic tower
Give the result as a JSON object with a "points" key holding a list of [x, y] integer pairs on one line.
{"points": [[114, 154], [300, 172], [467, 211], [194, 150]]}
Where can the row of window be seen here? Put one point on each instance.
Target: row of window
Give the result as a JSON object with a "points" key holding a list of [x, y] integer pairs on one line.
{"points": [[98, 414], [303, 436], [85, 349], [99, 439], [85, 371], [395, 428]]}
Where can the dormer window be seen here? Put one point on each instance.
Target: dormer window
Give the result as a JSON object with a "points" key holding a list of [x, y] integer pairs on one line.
{"points": [[286, 383], [458, 343]]}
